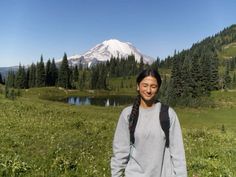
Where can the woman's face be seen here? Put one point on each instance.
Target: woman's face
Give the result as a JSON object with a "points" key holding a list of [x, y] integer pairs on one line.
{"points": [[147, 88]]}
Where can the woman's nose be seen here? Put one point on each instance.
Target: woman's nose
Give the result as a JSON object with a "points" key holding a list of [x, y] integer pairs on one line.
{"points": [[148, 89]]}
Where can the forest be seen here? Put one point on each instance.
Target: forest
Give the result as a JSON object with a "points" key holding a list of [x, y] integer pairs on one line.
{"points": [[187, 75]]}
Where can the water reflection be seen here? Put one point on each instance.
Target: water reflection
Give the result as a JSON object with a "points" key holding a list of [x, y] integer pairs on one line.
{"points": [[101, 101]]}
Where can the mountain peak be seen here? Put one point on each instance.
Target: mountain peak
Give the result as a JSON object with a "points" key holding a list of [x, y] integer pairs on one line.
{"points": [[114, 42], [108, 48]]}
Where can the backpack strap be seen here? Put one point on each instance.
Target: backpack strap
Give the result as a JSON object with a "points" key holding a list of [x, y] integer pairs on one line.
{"points": [[165, 122]]}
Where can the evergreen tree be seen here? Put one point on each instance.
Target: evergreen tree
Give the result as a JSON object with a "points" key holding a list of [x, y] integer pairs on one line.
{"points": [[176, 77], [196, 78], [214, 80], [10, 82], [227, 78], [82, 80], [141, 64], [76, 74], [27, 78], [94, 77], [156, 64], [54, 73], [186, 79], [99, 77], [6, 91], [32, 75], [205, 76], [64, 74], [40, 73], [48, 73], [102, 77], [162, 94], [171, 94], [21, 80], [1, 80]]}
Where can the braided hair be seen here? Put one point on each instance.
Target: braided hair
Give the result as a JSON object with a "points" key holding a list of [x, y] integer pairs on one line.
{"points": [[133, 119]]}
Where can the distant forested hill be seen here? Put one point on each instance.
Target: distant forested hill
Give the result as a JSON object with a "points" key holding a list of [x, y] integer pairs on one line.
{"points": [[221, 45], [208, 65]]}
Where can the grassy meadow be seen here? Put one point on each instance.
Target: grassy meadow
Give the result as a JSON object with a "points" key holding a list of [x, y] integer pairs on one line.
{"points": [[52, 139]]}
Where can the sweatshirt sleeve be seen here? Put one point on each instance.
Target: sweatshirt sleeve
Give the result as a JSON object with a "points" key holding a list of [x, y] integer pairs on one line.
{"points": [[121, 146], [176, 146]]}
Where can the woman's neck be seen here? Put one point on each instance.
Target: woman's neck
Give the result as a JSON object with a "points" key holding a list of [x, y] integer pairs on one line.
{"points": [[146, 104]]}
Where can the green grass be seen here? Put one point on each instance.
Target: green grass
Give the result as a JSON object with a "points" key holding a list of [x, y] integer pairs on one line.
{"points": [[228, 51], [53, 139], [45, 139]]}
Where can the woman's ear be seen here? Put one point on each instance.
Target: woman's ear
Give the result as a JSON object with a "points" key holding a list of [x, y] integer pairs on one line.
{"points": [[137, 88]]}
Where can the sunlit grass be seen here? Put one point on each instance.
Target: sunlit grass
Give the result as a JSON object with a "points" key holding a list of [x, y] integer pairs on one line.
{"points": [[45, 138]]}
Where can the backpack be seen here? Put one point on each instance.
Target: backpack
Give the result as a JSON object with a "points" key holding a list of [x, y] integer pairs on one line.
{"points": [[164, 121]]}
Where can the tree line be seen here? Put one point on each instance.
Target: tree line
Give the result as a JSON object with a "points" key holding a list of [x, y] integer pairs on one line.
{"points": [[194, 72], [72, 77], [199, 70]]}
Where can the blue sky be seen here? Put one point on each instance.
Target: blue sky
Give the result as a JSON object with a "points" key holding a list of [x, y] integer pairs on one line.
{"points": [[29, 28]]}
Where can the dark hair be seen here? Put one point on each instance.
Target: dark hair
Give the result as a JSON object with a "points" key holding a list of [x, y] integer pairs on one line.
{"points": [[149, 72], [133, 119]]}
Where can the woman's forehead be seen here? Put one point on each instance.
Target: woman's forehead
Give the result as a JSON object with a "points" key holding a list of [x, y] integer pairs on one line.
{"points": [[149, 79]]}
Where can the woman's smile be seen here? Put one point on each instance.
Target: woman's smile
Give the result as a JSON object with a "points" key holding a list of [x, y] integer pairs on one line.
{"points": [[147, 89]]}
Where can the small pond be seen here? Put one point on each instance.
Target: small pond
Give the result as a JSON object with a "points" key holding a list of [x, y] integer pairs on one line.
{"points": [[101, 101]]}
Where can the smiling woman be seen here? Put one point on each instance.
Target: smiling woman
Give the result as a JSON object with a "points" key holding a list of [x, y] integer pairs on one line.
{"points": [[147, 89], [141, 146]]}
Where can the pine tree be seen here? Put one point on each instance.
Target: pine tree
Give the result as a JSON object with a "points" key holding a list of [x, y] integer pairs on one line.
{"points": [[48, 74], [1, 80], [99, 76], [176, 77], [94, 77], [206, 76], [196, 78], [102, 81], [171, 98], [141, 64], [186, 79], [40, 73], [156, 64], [10, 82], [214, 80], [32, 75], [76, 74], [64, 74], [54, 73], [162, 94], [75, 77], [27, 78], [82, 80], [227, 78], [20, 79]]}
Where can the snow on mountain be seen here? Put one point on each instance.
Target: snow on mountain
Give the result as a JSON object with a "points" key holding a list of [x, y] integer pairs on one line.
{"points": [[104, 51]]}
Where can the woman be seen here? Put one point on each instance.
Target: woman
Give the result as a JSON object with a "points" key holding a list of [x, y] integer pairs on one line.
{"points": [[143, 153]]}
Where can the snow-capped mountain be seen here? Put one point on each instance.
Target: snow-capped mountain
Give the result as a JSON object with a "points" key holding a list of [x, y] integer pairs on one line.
{"points": [[104, 51]]}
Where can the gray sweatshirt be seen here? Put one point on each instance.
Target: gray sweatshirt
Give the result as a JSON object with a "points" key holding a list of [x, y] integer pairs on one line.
{"points": [[148, 157]]}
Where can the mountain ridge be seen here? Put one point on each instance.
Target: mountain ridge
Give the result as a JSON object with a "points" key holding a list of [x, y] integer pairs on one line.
{"points": [[109, 48]]}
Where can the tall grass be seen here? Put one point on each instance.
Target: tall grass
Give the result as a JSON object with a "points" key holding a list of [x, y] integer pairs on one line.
{"points": [[44, 138]]}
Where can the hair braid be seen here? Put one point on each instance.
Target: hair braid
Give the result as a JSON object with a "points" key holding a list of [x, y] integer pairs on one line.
{"points": [[134, 118]]}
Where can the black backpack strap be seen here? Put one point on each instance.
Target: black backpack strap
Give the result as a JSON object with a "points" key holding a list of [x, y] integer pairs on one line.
{"points": [[165, 122]]}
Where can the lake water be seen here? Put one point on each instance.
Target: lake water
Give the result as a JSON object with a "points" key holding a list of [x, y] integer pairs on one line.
{"points": [[101, 101]]}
